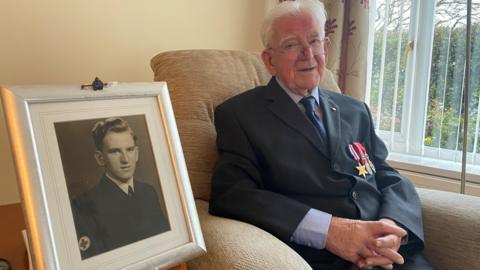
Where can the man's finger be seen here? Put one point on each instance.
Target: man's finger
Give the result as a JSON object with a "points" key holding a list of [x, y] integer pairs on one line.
{"points": [[387, 266], [377, 260], [384, 229], [388, 241], [367, 252], [390, 254]]}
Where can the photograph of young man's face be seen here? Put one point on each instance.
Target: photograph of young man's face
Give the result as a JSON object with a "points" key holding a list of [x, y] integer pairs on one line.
{"points": [[119, 155]]}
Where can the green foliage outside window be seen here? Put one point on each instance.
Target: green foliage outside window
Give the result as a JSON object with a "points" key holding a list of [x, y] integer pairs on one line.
{"points": [[444, 119]]}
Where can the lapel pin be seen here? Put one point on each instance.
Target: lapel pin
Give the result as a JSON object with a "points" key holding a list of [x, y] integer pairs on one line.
{"points": [[333, 109]]}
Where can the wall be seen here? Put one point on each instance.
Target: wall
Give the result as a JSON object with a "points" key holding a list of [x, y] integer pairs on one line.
{"points": [[71, 42]]}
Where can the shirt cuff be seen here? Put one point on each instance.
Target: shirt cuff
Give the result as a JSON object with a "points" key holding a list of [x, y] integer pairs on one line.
{"points": [[313, 229]]}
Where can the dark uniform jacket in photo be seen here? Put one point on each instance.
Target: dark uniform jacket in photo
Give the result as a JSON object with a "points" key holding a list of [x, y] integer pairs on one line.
{"points": [[106, 218], [273, 167]]}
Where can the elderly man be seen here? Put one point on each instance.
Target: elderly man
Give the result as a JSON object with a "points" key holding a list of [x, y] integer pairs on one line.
{"points": [[305, 164], [119, 210]]}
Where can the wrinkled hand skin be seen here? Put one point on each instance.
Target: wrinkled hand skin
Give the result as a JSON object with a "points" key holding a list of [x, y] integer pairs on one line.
{"points": [[366, 243]]}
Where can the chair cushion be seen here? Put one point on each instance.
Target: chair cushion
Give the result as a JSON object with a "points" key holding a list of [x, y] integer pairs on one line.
{"points": [[199, 80], [233, 244], [451, 223]]}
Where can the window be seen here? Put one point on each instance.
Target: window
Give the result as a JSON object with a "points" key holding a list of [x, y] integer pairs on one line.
{"points": [[417, 80]]}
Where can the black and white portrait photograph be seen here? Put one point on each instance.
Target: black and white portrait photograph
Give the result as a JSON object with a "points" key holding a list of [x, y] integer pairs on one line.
{"points": [[103, 177], [115, 195]]}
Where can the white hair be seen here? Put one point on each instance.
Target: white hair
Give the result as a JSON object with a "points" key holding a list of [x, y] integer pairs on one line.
{"points": [[314, 8]]}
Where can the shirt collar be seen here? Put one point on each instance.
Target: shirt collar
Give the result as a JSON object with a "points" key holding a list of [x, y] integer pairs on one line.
{"points": [[121, 185], [295, 97]]}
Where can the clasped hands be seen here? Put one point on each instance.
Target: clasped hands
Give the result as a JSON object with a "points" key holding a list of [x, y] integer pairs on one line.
{"points": [[366, 243]]}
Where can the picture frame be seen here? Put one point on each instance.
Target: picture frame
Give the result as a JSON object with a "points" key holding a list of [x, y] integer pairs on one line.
{"points": [[60, 168]]}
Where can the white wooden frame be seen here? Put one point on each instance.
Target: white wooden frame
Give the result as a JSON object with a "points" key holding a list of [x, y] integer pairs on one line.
{"points": [[31, 112]]}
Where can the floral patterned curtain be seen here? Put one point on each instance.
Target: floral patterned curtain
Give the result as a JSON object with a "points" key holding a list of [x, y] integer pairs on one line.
{"points": [[347, 29]]}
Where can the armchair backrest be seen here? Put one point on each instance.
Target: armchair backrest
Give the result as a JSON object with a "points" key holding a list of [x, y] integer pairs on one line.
{"points": [[199, 80]]}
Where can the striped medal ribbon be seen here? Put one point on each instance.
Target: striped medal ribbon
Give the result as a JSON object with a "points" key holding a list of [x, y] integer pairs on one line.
{"points": [[361, 167]]}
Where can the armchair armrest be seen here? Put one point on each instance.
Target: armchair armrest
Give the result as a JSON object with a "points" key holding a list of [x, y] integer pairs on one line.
{"points": [[233, 244], [452, 229]]}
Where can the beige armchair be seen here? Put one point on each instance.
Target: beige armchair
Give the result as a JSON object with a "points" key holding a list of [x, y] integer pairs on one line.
{"points": [[199, 80]]}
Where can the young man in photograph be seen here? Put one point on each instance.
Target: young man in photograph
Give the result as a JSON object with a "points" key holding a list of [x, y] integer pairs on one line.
{"points": [[119, 210]]}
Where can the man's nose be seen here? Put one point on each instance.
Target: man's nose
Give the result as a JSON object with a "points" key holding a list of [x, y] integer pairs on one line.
{"points": [[307, 51], [124, 157]]}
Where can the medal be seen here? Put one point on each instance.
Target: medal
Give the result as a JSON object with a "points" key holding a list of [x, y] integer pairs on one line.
{"points": [[371, 164], [361, 168], [363, 158], [84, 243], [367, 159]]}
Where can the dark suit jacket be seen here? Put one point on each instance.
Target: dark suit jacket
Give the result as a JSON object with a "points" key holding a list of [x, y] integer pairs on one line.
{"points": [[110, 219], [273, 167]]}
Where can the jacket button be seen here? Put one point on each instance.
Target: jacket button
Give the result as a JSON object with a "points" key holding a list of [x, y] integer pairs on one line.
{"points": [[354, 195], [336, 167]]}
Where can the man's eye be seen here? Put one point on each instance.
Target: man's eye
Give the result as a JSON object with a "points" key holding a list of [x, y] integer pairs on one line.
{"points": [[290, 46], [315, 42]]}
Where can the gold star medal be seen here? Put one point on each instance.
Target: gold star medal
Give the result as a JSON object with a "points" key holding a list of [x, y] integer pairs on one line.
{"points": [[361, 170]]}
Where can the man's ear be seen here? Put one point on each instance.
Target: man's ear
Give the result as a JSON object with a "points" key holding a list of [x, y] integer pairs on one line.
{"points": [[267, 60], [99, 158], [136, 153]]}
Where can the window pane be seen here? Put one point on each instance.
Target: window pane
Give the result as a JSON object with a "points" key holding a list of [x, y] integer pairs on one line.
{"points": [[445, 110], [475, 86], [388, 69]]}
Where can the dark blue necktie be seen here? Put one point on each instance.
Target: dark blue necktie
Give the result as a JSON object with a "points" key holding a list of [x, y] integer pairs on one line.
{"points": [[309, 104]]}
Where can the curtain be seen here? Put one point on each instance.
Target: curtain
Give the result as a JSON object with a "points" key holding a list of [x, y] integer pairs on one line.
{"points": [[347, 29]]}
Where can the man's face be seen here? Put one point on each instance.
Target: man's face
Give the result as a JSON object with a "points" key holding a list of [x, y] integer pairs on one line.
{"points": [[297, 55], [119, 155]]}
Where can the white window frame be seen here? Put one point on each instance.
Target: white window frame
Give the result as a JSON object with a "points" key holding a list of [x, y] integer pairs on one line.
{"points": [[407, 150]]}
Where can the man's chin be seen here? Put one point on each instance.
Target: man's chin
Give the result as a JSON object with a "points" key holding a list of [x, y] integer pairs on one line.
{"points": [[123, 178], [308, 86], [309, 83]]}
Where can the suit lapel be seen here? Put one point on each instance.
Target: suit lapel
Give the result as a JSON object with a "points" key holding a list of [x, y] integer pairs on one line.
{"points": [[331, 120], [287, 111]]}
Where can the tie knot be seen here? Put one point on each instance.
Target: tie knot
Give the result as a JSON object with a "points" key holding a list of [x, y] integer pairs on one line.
{"points": [[308, 103], [130, 191]]}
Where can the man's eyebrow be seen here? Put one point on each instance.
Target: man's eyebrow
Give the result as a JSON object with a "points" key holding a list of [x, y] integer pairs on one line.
{"points": [[119, 148], [287, 38], [110, 150], [314, 34]]}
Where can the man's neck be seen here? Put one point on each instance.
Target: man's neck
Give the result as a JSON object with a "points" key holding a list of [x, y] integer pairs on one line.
{"points": [[123, 185], [296, 97]]}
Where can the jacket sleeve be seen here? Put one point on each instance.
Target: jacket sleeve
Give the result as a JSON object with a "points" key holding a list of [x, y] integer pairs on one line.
{"points": [[400, 201], [238, 189]]}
